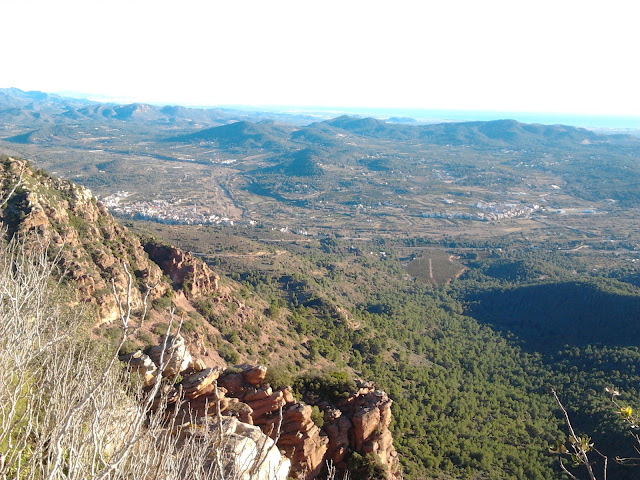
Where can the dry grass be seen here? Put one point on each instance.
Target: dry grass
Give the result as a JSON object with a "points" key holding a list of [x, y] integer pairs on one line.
{"points": [[68, 408]]}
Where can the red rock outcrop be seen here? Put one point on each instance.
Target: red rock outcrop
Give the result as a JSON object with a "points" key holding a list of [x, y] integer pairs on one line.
{"points": [[358, 423], [370, 414], [184, 270], [337, 427]]}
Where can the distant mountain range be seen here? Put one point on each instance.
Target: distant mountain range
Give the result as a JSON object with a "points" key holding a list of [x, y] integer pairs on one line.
{"points": [[235, 129], [36, 108], [289, 147], [495, 132], [33, 108], [332, 133]]}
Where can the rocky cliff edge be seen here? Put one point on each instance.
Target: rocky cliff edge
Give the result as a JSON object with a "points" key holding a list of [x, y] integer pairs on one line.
{"points": [[358, 423]]}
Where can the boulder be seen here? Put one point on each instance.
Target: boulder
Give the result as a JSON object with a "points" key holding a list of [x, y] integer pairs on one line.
{"points": [[255, 375], [199, 383], [142, 364], [174, 355], [245, 453]]}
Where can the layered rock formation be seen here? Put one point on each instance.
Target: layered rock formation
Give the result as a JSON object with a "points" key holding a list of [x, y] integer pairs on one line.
{"points": [[358, 423], [369, 412]]}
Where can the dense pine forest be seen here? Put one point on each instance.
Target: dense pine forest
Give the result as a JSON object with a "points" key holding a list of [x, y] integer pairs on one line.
{"points": [[470, 364]]}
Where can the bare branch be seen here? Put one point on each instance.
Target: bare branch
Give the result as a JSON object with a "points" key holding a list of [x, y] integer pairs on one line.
{"points": [[564, 469], [7, 197], [578, 446]]}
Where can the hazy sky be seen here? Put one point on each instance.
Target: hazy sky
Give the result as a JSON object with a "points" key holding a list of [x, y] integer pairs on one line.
{"points": [[552, 56]]}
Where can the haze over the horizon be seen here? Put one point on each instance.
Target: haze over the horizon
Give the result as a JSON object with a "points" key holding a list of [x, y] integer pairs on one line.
{"points": [[548, 56]]}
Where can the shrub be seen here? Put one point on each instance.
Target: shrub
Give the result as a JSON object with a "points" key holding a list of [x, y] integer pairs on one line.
{"points": [[317, 416], [161, 328], [278, 377], [273, 311], [366, 467], [228, 354], [234, 337], [189, 326], [231, 369], [145, 338], [161, 303], [129, 346], [333, 385]]}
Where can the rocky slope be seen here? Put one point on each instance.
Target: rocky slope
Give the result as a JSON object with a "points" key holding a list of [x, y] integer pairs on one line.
{"points": [[96, 253], [98, 256]]}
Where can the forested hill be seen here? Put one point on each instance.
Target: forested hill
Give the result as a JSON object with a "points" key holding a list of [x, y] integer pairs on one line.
{"points": [[550, 316], [495, 133], [241, 134]]}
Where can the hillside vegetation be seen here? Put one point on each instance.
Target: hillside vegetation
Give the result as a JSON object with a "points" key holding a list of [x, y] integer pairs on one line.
{"points": [[67, 407], [470, 365]]}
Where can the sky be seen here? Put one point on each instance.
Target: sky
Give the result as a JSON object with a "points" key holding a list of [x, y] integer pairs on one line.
{"points": [[563, 56]]}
